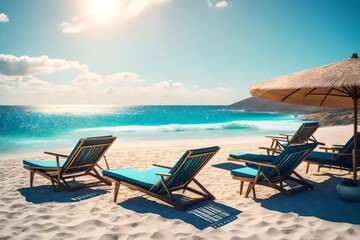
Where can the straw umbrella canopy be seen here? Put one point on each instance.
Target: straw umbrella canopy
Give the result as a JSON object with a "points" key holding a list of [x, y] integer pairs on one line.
{"points": [[333, 85]]}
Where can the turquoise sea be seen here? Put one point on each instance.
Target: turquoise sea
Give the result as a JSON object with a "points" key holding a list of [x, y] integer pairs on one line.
{"points": [[25, 128]]}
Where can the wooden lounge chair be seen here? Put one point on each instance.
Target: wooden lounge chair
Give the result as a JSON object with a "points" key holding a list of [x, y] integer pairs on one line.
{"points": [[303, 135], [161, 181], [81, 161], [272, 170], [337, 156]]}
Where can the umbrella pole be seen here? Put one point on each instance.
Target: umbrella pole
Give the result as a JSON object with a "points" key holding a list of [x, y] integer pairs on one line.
{"points": [[355, 151]]}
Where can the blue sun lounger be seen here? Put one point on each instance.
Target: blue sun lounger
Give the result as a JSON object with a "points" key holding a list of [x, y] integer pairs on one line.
{"points": [[161, 181], [338, 156], [272, 170], [303, 135], [81, 161]]}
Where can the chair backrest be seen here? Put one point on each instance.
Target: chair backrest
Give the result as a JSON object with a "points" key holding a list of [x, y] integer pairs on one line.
{"points": [[86, 153], [288, 160], [186, 168], [304, 133], [347, 149]]}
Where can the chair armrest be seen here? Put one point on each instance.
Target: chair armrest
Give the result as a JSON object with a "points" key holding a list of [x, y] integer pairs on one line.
{"points": [[277, 138], [287, 135], [272, 149], [316, 141], [57, 154], [337, 145], [256, 162], [158, 165], [164, 174]]}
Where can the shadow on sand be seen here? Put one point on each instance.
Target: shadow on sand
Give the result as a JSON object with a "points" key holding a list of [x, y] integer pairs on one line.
{"points": [[202, 215], [227, 166], [42, 194], [321, 202]]}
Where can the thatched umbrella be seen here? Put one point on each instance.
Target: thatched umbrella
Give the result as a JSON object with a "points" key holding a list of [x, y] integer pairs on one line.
{"points": [[333, 85]]}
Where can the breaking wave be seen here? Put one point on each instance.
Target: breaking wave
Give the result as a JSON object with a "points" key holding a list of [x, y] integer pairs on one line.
{"points": [[234, 125]]}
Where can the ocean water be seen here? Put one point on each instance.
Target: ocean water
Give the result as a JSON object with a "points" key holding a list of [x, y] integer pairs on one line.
{"points": [[25, 128]]}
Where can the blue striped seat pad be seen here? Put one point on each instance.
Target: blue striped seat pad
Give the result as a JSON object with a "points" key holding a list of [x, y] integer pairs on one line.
{"points": [[43, 163], [246, 172], [141, 178], [321, 157]]}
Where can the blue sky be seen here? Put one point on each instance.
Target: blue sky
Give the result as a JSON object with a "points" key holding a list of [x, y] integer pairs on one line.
{"points": [[128, 52]]}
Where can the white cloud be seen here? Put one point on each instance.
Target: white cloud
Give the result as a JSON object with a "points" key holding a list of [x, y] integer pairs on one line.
{"points": [[5, 87], [3, 17], [223, 90], [74, 26], [88, 89], [218, 90], [124, 77], [168, 85], [9, 79], [23, 66], [137, 7], [35, 83], [222, 4], [17, 79], [88, 79], [91, 79]]}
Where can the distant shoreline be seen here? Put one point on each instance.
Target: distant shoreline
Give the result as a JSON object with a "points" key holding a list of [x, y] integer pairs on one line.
{"points": [[325, 116]]}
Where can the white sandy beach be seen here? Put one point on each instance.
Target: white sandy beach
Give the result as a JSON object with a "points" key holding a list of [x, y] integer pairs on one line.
{"points": [[90, 213]]}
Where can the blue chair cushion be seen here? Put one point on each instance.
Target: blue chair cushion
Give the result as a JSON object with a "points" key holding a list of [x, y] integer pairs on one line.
{"points": [[141, 178], [321, 157], [50, 164], [246, 172]]}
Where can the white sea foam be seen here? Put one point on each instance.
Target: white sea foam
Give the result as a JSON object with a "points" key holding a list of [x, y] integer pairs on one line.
{"points": [[289, 125], [76, 110]]}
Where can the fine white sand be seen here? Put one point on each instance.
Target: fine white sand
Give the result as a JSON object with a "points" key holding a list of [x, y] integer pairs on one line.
{"points": [[90, 213]]}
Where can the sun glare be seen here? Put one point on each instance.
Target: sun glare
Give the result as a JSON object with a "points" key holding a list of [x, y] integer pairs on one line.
{"points": [[103, 10]]}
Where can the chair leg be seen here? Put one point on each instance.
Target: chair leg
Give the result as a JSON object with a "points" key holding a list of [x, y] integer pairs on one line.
{"points": [[58, 183], [249, 189], [253, 183], [241, 186], [53, 185], [116, 192], [307, 167], [31, 178]]}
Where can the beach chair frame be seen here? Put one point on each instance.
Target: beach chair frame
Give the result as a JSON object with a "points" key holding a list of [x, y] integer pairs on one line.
{"points": [[274, 181], [57, 176], [339, 151], [304, 134], [334, 165], [166, 194]]}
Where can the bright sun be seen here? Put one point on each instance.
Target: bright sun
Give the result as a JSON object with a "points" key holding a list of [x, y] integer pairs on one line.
{"points": [[103, 10]]}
